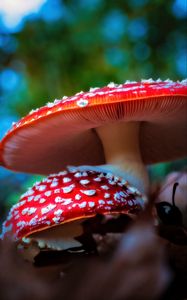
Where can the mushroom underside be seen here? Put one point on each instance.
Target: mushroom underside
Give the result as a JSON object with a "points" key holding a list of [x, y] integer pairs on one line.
{"points": [[69, 138]]}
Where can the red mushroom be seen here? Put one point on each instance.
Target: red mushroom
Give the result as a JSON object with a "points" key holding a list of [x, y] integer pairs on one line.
{"points": [[122, 126], [68, 199]]}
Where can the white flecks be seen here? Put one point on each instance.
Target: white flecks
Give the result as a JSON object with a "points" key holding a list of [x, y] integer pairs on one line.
{"points": [[106, 195], [56, 219], [48, 222], [54, 184], [36, 198], [48, 208], [78, 197], [28, 193], [56, 191], [80, 93], [117, 196], [110, 202], [42, 200], [91, 204], [66, 179], [88, 192], [123, 194], [21, 223], [78, 174], [112, 182], [84, 181], [84, 173], [82, 205], [59, 199], [68, 189], [50, 104], [20, 203], [41, 188], [82, 102], [33, 221], [105, 187], [58, 212], [67, 201], [48, 193], [29, 210], [112, 85], [30, 198], [97, 179], [93, 89], [57, 101], [101, 202]]}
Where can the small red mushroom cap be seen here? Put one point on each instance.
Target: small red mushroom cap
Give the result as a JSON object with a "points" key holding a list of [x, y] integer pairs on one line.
{"points": [[61, 133], [68, 196]]}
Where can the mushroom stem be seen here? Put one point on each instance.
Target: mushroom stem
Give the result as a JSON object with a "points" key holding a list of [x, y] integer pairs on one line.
{"points": [[122, 152]]}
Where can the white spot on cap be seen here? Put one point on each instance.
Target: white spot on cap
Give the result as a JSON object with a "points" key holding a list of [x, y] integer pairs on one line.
{"points": [[48, 193], [58, 212], [48, 208], [84, 181], [56, 219], [54, 184], [112, 85], [59, 199], [42, 200], [82, 205], [82, 102], [30, 198], [33, 221], [66, 179], [36, 198], [21, 223], [101, 202], [88, 192], [68, 189], [67, 201], [105, 187], [41, 188], [78, 174], [78, 197], [91, 204], [97, 179], [106, 195]]}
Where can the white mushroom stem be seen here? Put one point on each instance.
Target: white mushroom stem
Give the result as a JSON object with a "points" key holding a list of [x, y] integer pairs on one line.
{"points": [[122, 152]]}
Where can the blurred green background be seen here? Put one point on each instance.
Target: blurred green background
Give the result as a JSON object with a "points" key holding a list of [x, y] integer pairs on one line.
{"points": [[53, 48]]}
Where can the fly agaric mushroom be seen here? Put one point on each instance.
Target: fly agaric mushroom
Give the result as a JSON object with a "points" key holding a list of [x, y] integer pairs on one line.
{"points": [[122, 126], [50, 215]]}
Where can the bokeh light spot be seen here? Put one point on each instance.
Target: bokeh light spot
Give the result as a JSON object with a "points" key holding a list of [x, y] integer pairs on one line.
{"points": [[114, 26]]}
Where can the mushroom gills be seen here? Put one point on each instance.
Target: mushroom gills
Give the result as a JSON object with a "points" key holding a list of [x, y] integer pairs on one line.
{"points": [[58, 238]]}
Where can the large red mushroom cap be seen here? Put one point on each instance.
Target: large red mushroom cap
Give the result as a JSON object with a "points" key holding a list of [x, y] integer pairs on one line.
{"points": [[69, 196], [61, 133]]}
